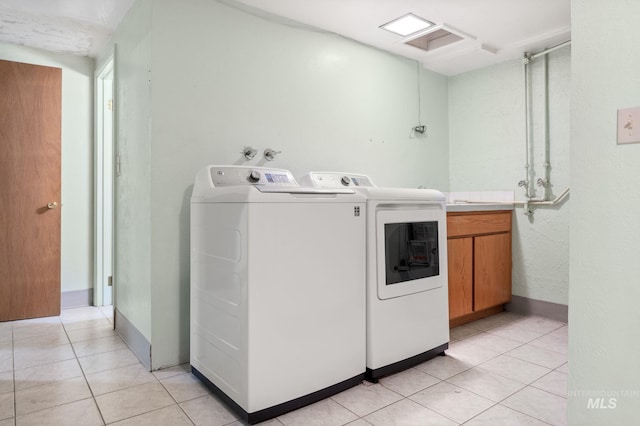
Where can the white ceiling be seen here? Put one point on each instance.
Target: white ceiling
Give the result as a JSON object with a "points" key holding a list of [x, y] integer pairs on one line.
{"points": [[77, 27], [499, 30], [496, 30]]}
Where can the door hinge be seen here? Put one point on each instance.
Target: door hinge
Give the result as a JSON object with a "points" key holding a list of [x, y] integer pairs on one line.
{"points": [[118, 172], [110, 280]]}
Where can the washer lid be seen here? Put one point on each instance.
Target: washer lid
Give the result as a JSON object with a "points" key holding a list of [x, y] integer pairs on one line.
{"points": [[336, 180], [364, 185], [299, 190]]}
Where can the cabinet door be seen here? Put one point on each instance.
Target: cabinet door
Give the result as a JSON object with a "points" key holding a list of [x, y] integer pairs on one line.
{"points": [[460, 259], [492, 270]]}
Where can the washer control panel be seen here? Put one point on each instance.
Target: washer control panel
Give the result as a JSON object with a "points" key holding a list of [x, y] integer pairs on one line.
{"points": [[241, 175], [336, 180]]}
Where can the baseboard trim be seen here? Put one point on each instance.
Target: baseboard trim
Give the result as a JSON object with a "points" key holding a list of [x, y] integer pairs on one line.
{"points": [[137, 343], [76, 298], [525, 306]]}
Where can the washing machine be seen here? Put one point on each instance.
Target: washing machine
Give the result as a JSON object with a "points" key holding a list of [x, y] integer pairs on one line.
{"points": [[277, 289], [407, 291]]}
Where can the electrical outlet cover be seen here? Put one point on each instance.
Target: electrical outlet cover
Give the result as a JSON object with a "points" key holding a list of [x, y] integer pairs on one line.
{"points": [[629, 125]]}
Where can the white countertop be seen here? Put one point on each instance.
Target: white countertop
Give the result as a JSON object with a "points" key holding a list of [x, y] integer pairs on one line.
{"points": [[482, 201], [476, 207]]}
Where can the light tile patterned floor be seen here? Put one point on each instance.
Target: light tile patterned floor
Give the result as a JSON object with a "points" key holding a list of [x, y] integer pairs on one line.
{"points": [[74, 370]]}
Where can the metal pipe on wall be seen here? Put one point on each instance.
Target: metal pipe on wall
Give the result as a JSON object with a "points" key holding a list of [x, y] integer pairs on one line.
{"points": [[545, 181], [527, 127], [551, 49], [553, 202]]}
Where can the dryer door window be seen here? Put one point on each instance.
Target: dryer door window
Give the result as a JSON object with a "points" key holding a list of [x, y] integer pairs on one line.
{"points": [[411, 251]]}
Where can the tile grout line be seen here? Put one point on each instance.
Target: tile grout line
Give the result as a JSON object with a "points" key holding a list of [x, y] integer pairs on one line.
{"points": [[175, 400], [84, 375], [13, 370], [527, 385]]}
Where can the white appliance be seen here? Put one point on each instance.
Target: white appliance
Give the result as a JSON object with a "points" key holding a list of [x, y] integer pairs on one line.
{"points": [[407, 291], [277, 289]]}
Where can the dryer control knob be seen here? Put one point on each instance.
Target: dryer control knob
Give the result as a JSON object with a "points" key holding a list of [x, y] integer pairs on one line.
{"points": [[254, 176], [345, 180]]}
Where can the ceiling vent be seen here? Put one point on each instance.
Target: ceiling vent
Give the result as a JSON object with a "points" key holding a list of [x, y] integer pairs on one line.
{"points": [[436, 38]]}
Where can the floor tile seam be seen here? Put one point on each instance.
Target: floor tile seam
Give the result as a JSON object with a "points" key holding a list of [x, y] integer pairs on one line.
{"points": [[541, 334], [482, 396], [86, 328], [490, 331], [510, 378], [559, 367], [549, 392], [49, 383], [148, 412], [48, 347], [108, 369], [173, 398], [13, 366], [192, 420], [517, 411], [541, 347], [119, 389], [136, 415], [80, 319], [466, 369], [487, 360], [562, 324], [358, 416], [15, 323], [52, 407], [169, 377], [526, 414], [103, 352], [447, 417], [480, 413], [87, 340], [553, 393], [84, 376], [504, 337], [534, 363], [103, 338], [92, 338], [439, 380], [35, 337]]}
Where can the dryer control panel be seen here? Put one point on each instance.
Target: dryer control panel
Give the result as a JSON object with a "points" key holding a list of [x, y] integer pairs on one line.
{"points": [[241, 175], [336, 180]]}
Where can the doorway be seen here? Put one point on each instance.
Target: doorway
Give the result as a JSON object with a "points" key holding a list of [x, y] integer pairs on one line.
{"points": [[104, 168]]}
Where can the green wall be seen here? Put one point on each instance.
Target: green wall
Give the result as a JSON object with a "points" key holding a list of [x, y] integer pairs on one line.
{"points": [[133, 215], [604, 348], [487, 152], [196, 82]]}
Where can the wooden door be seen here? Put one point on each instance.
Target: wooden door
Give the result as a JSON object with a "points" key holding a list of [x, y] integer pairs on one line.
{"points": [[460, 268], [30, 134], [492, 270]]}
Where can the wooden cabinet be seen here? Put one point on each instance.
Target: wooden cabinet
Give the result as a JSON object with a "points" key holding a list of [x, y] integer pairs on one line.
{"points": [[479, 258]]}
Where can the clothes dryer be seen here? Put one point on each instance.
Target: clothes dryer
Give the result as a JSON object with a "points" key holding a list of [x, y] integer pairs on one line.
{"points": [[277, 289], [407, 291]]}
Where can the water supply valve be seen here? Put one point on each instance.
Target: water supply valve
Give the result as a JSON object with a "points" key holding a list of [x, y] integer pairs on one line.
{"points": [[270, 154], [249, 152]]}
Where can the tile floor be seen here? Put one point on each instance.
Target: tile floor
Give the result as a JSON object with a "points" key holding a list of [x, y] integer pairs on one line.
{"points": [[74, 370]]}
